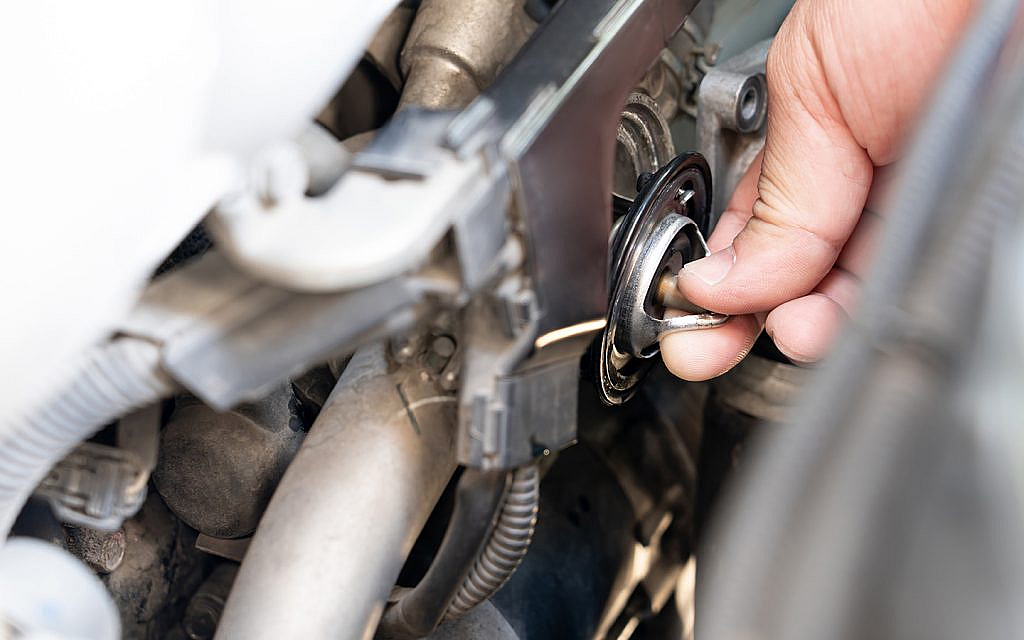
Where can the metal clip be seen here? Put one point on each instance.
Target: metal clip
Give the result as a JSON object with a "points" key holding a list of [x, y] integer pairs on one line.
{"points": [[99, 486], [95, 486], [645, 289]]}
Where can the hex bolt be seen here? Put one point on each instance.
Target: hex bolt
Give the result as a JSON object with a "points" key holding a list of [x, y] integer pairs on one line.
{"points": [[404, 348], [442, 348], [100, 550], [204, 610]]}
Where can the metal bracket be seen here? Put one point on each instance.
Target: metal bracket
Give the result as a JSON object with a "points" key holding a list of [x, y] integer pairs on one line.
{"points": [[732, 105], [336, 270]]}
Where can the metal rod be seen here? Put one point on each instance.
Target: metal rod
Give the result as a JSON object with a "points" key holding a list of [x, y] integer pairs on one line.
{"points": [[668, 295], [349, 508]]}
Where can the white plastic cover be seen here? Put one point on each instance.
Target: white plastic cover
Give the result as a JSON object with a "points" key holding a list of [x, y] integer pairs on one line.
{"points": [[123, 122]]}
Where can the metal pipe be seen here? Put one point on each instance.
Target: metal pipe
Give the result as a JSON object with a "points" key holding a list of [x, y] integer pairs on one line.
{"points": [[345, 516], [456, 48]]}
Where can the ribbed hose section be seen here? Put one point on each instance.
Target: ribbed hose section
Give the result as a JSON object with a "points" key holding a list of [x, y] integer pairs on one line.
{"points": [[507, 545], [113, 379]]}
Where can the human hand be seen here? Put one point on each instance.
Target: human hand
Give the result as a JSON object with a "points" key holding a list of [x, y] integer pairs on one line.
{"points": [[846, 79]]}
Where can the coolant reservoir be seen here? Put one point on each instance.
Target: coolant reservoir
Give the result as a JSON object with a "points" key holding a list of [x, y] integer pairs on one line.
{"points": [[126, 121]]}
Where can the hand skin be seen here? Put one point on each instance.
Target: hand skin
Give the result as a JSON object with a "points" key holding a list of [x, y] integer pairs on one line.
{"points": [[846, 79]]}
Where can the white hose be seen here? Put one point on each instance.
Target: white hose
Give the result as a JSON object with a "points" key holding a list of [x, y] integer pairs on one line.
{"points": [[114, 378]]}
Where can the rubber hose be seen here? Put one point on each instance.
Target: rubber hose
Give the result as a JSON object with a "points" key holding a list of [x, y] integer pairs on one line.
{"points": [[507, 545], [479, 498], [114, 379]]}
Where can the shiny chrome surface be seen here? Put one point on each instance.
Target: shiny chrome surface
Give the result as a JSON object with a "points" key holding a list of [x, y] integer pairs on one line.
{"points": [[656, 238]]}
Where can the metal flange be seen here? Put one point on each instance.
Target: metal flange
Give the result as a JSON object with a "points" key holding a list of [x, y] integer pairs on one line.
{"points": [[662, 231]]}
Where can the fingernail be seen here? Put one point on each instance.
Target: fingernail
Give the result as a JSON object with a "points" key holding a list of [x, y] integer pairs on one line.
{"points": [[712, 269]]}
